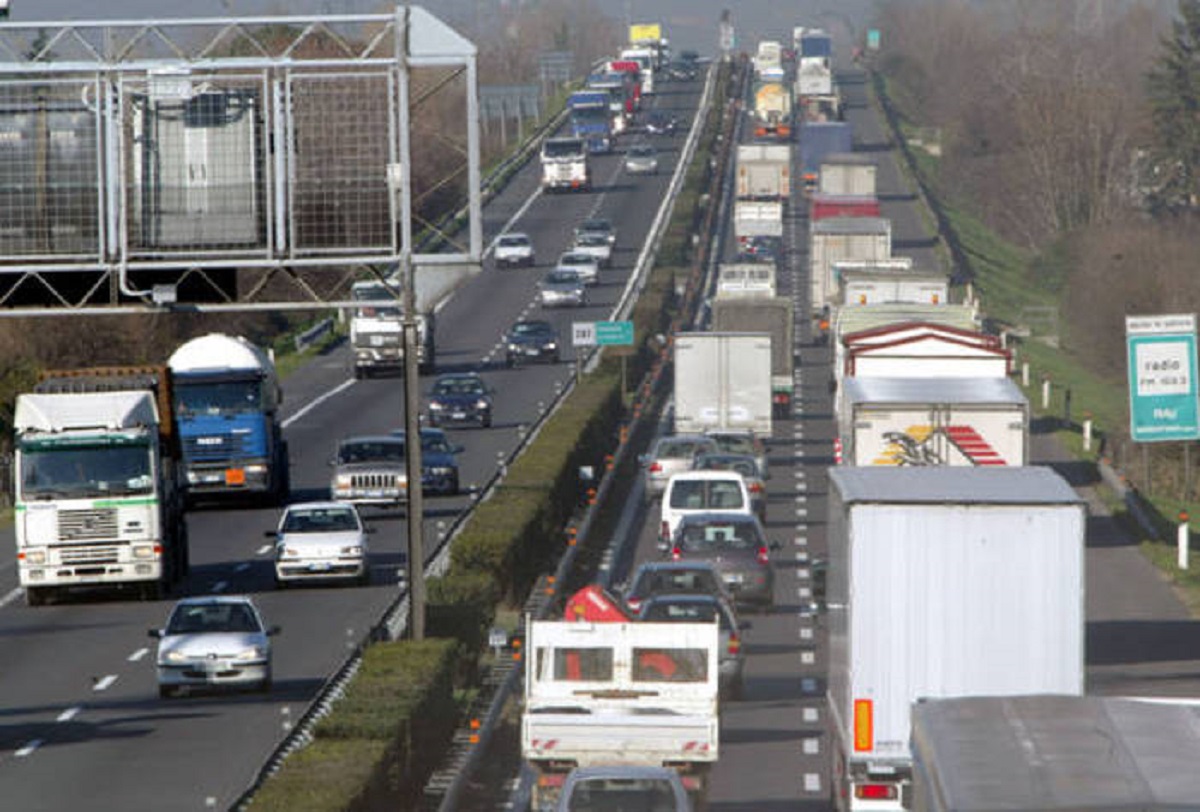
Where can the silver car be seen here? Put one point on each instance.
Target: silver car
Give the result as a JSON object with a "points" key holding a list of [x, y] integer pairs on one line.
{"points": [[641, 159], [584, 264], [673, 454], [594, 245], [370, 470], [623, 786], [741, 441], [562, 288], [737, 547], [214, 641], [320, 541]]}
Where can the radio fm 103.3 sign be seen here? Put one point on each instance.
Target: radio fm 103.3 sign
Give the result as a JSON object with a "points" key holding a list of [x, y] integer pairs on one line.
{"points": [[1163, 402]]}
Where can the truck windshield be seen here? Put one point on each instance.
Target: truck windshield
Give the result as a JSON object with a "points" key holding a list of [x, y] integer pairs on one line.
{"points": [[80, 472], [590, 115], [563, 149], [217, 398], [384, 304]]}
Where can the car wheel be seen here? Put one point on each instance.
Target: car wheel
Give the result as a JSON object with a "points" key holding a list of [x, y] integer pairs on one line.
{"points": [[486, 422], [265, 686], [35, 596], [510, 362], [453, 489], [166, 691], [556, 358], [365, 578]]}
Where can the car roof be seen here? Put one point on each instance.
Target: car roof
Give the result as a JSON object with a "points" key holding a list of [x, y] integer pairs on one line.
{"points": [[425, 432], [576, 256], [322, 505], [533, 323], [683, 438], [721, 516], [514, 235], [696, 475], [659, 566], [202, 600], [457, 376], [371, 438]]}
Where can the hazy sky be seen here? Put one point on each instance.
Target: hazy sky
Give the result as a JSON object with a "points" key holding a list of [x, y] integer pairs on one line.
{"points": [[689, 23]]}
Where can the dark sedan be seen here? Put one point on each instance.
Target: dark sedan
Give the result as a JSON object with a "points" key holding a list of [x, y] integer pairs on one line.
{"points": [[737, 547], [439, 462], [532, 341], [460, 397], [659, 122]]}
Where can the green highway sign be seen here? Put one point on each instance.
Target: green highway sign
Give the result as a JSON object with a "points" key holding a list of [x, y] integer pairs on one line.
{"points": [[614, 333], [873, 39], [1164, 403]]}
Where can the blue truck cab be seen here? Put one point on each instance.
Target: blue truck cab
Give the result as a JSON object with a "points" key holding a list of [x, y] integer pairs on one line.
{"points": [[591, 120], [227, 399]]}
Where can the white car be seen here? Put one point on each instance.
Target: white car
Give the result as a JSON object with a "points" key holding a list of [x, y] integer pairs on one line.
{"points": [[562, 287], [214, 641], [641, 159], [586, 265], [597, 225], [514, 250], [701, 492], [594, 245], [319, 541]]}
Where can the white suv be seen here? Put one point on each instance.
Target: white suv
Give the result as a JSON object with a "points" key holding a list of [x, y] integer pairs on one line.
{"points": [[515, 249], [701, 492]]}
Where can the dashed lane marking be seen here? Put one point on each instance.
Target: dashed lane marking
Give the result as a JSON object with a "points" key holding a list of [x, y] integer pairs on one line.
{"points": [[812, 782], [220, 586], [263, 550], [104, 683], [28, 748], [69, 714], [801, 511], [11, 596], [242, 567], [806, 633], [138, 655], [811, 747], [317, 401], [810, 715]]}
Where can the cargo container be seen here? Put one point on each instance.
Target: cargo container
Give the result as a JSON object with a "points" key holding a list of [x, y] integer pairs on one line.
{"points": [[757, 218], [774, 314], [943, 582], [764, 171], [872, 286], [847, 173], [817, 140], [722, 381], [933, 421], [838, 238], [823, 206]]}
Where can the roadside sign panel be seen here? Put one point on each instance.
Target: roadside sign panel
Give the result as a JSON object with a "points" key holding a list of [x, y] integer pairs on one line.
{"points": [[1163, 400], [873, 39], [583, 334], [614, 333]]}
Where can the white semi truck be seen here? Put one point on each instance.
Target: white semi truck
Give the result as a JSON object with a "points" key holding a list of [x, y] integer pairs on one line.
{"points": [[98, 484], [605, 693], [943, 582], [377, 330], [933, 421], [764, 172], [723, 381], [565, 165]]}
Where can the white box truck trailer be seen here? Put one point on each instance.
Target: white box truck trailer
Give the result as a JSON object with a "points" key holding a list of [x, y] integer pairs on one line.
{"points": [[722, 381], [943, 582], [839, 238], [933, 421]]}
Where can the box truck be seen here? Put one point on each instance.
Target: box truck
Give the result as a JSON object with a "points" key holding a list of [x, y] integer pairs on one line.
{"points": [[840, 238], [748, 313], [933, 421], [847, 173], [722, 381], [764, 172], [943, 582]]}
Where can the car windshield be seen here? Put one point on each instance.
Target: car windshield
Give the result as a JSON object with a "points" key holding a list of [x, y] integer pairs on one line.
{"points": [[654, 582], [601, 226], [743, 465], [622, 795], [677, 449], [739, 444], [458, 386], [514, 241], [576, 259], [532, 328], [563, 278], [685, 612], [204, 618], [371, 451], [320, 520], [697, 537], [591, 240], [707, 494], [641, 152]]}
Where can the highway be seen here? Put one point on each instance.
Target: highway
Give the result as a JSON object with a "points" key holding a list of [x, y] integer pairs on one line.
{"points": [[82, 722]]}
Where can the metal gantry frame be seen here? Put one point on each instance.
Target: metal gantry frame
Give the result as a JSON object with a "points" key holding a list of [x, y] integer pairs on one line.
{"points": [[225, 164]]}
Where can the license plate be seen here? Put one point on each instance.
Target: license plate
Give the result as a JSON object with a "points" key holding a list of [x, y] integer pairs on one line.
{"points": [[235, 476], [320, 566], [734, 578], [375, 494], [459, 415]]}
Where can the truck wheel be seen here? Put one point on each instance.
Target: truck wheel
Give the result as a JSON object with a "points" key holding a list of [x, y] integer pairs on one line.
{"points": [[36, 596]]}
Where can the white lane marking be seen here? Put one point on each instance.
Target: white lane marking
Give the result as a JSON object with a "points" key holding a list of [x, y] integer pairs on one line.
{"points": [[812, 782], [11, 596], [801, 558], [799, 474], [808, 685], [317, 401], [811, 747], [69, 714], [802, 572], [806, 633], [804, 592], [811, 715], [220, 586], [801, 541], [512, 221], [801, 511], [242, 567], [263, 550], [138, 655], [28, 748], [105, 682]]}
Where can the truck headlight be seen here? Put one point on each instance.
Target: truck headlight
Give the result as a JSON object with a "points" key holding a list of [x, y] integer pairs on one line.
{"points": [[35, 557], [257, 468], [143, 551], [435, 406], [440, 470]]}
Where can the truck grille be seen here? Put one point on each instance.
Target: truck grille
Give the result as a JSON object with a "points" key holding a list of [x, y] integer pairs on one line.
{"points": [[232, 446], [88, 556], [87, 525], [375, 481]]}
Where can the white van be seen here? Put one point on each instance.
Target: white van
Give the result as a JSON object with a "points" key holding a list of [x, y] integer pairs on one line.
{"points": [[701, 492]]}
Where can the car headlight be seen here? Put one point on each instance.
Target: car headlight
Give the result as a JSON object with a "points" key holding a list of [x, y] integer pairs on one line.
{"points": [[435, 406], [289, 552], [514, 347], [176, 657], [355, 550], [481, 404], [143, 551], [252, 653], [440, 470], [551, 346], [343, 480]]}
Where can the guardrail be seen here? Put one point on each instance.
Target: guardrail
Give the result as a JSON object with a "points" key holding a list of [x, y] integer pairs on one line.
{"points": [[313, 334]]}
